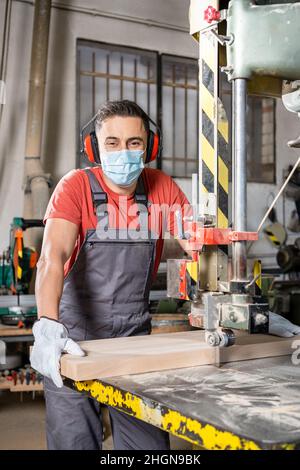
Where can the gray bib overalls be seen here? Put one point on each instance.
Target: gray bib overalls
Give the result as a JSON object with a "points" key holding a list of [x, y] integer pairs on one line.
{"points": [[105, 295]]}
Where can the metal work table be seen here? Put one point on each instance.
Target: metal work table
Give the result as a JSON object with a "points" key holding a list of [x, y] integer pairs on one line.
{"points": [[244, 405]]}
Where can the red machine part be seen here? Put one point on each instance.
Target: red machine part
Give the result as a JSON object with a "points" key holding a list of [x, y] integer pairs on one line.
{"points": [[215, 236], [211, 14], [182, 280], [196, 320]]}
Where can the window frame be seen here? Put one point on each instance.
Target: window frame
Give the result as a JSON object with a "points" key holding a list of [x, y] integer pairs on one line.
{"points": [[117, 47], [158, 82]]}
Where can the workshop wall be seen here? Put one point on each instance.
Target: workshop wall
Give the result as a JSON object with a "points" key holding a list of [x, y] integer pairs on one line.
{"points": [[287, 128], [156, 25]]}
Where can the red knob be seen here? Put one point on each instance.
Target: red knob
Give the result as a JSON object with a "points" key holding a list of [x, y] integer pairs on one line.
{"points": [[211, 14]]}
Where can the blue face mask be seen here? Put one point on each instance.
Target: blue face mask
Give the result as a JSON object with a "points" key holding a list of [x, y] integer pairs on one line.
{"points": [[122, 167]]}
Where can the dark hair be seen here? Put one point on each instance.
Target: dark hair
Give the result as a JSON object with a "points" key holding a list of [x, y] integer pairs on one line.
{"points": [[120, 108]]}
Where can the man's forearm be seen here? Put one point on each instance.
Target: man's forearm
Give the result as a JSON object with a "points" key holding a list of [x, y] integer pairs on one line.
{"points": [[48, 287]]}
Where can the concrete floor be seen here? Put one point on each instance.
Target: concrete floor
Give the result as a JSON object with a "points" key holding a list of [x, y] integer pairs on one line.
{"points": [[22, 424]]}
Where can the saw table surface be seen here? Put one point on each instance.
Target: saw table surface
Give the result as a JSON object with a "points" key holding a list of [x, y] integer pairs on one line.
{"points": [[253, 404]]}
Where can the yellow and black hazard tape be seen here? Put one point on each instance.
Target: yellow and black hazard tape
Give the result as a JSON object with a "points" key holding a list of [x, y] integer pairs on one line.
{"points": [[214, 132], [223, 173], [207, 110], [192, 278], [170, 420], [257, 277], [272, 237]]}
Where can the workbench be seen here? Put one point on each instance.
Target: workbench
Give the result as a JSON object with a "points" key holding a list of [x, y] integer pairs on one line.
{"points": [[246, 405], [13, 334]]}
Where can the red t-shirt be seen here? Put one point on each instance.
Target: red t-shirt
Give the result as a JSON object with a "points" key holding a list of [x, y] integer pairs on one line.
{"points": [[72, 200]]}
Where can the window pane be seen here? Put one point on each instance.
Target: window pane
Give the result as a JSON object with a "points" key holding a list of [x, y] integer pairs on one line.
{"points": [[179, 115], [179, 100], [167, 125], [86, 95]]}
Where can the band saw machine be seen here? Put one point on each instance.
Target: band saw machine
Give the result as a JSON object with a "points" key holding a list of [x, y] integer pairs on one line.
{"points": [[237, 38]]}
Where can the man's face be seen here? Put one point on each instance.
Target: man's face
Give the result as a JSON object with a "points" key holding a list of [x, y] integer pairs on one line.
{"points": [[121, 133]]}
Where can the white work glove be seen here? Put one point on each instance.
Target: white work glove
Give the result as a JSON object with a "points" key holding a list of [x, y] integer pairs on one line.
{"points": [[280, 326], [51, 340]]}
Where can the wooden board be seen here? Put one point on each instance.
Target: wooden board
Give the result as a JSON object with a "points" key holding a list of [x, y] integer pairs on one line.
{"points": [[139, 354]]}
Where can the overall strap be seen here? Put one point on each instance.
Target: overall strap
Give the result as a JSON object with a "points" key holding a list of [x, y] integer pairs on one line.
{"points": [[98, 195], [141, 199], [100, 199], [140, 195]]}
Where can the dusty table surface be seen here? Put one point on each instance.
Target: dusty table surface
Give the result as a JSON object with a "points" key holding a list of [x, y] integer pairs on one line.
{"points": [[257, 400]]}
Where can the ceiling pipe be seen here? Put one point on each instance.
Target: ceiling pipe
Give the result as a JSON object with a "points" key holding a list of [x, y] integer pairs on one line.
{"points": [[36, 181]]}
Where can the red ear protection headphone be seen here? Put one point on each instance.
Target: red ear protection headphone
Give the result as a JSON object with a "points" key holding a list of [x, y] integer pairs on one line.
{"points": [[89, 144]]}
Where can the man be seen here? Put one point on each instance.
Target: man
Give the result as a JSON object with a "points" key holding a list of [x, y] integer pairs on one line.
{"points": [[101, 250]]}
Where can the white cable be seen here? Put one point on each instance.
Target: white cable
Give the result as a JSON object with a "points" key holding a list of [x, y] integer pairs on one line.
{"points": [[279, 194]]}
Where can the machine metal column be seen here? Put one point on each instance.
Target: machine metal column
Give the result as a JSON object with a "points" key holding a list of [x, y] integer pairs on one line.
{"points": [[239, 256]]}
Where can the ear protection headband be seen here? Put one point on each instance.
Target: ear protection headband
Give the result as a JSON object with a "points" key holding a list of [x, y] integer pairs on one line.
{"points": [[89, 143]]}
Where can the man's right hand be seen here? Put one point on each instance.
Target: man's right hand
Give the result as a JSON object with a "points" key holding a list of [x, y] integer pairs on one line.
{"points": [[51, 340]]}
